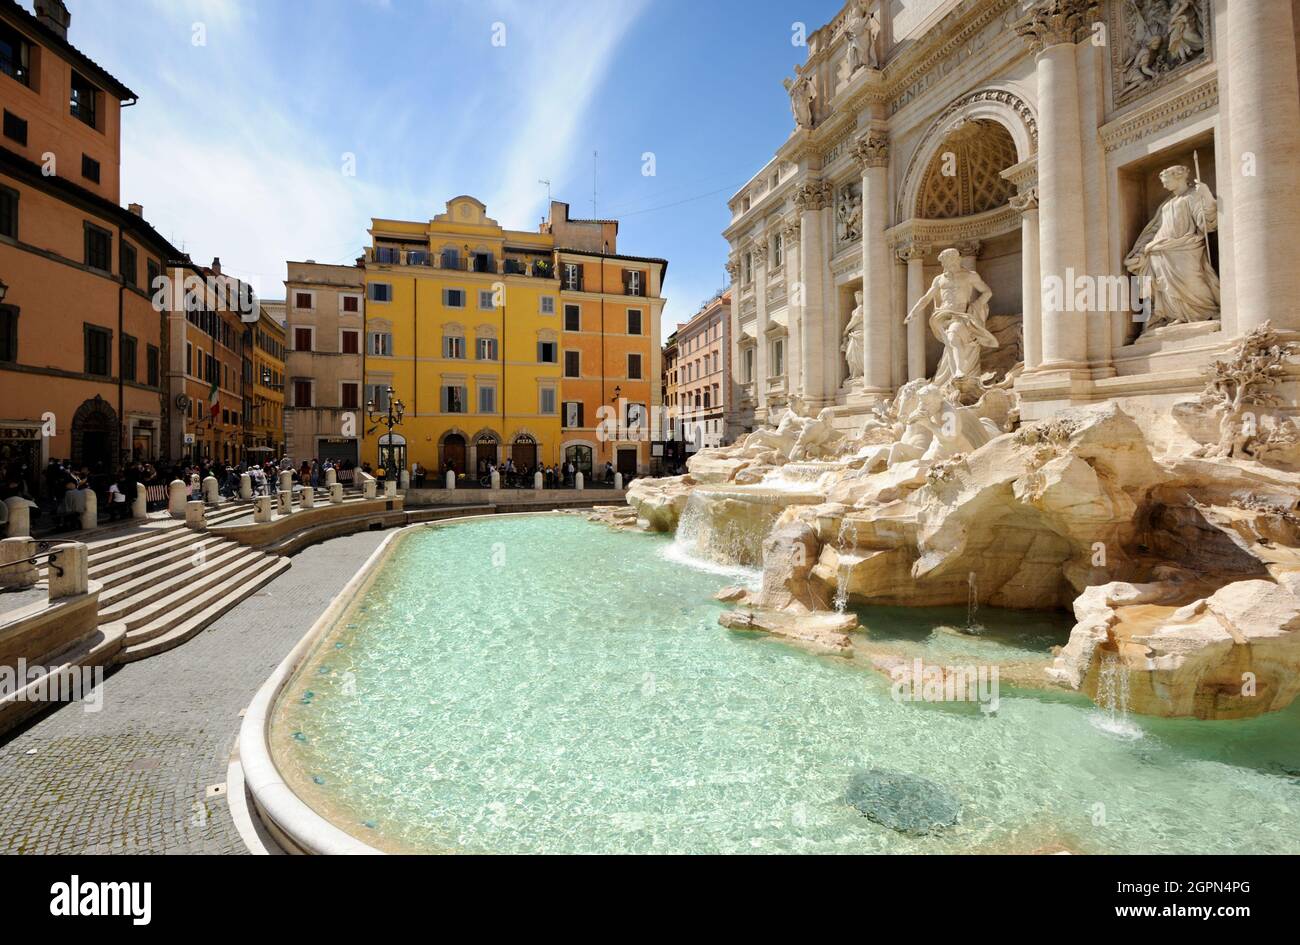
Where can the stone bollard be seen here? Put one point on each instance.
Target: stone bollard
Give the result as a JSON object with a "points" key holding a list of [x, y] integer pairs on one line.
{"points": [[286, 502], [336, 493], [194, 515], [390, 488], [496, 479], [90, 517], [211, 490], [307, 497], [451, 480], [262, 509], [245, 486], [538, 480], [331, 476], [20, 517], [176, 498], [17, 576], [286, 481], [405, 479], [577, 480], [140, 504], [69, 570], [618, 480], [368, 487]]}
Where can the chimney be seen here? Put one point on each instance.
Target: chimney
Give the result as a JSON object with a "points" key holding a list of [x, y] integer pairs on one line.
{"points": [[136, 209], [53, 15], [216, 265]]}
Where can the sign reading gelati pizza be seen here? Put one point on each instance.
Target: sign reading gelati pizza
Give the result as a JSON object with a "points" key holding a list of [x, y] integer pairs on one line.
{"points": [[20, 433]]}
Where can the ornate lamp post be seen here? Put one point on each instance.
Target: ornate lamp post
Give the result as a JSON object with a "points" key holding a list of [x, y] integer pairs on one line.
{"points": [[390, 419]]}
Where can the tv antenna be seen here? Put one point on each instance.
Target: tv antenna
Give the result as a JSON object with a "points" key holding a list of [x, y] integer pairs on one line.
{"points": [[548, 190]]}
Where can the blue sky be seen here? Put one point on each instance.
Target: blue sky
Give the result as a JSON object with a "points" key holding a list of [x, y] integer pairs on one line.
{"points": [[236, 146]]}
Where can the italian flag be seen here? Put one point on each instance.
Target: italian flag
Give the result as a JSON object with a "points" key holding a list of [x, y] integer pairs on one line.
{"points": [[214, 402]]}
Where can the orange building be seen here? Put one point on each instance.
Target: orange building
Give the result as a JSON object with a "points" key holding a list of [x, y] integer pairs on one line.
{"points": [[611, 384], [82, 346]]}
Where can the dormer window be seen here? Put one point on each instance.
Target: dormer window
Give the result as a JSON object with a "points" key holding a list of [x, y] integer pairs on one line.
{"points": [[84, 101]]}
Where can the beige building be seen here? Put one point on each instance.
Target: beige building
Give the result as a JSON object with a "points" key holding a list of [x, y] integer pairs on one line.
{"points": [[324, 400], [702, 374]]}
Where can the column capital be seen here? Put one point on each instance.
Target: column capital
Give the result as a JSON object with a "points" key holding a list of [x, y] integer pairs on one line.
{"points": [[733, 268], [912, 250], [759, 248], [1026, 201], [1055, 22], [813, 195], [790, 229], [872, 150], [969, 247]]}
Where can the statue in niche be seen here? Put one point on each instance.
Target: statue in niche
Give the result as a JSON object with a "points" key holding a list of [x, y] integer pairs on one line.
{"points": [[848, 214], [1160, 36], [961, 306], [803, 96], [1171, 255], [852, 344], [862, 35]]}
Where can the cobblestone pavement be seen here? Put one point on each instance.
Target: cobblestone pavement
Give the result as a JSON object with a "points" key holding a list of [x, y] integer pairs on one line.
{"points": [[132, 777]]}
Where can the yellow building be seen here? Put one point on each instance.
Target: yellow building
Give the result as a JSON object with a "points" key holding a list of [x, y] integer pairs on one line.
{"points": [[266, 421], [462, 322]]}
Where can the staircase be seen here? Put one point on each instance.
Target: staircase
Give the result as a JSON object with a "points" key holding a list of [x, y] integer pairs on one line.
{"points": [[166, 582]]}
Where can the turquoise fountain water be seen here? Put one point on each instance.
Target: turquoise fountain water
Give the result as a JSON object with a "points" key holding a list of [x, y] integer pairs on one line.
{"points": [[544, 684]]}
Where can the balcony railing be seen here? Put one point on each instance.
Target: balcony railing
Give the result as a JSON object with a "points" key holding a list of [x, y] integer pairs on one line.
{"points": [[392, 256]]}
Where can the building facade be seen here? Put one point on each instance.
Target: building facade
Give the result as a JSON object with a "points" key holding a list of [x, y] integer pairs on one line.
{"points": [[324, 324], [265, 418], [704, 374], [506, 344], [83, 346], [1005, 130]]}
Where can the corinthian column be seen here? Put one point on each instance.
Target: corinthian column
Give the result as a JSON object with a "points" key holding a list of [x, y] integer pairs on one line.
{"points": [[914, 256], [1053, 27], [1031, 326], [759, 251], [736, 377], [1264, 138], [820, 340], [793, 308], [872, 152]]}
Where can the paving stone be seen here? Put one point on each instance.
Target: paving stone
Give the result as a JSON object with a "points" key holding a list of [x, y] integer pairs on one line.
{"points": [[131, 777]]}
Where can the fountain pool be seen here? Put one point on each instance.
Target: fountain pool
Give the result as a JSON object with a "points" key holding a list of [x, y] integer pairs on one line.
{"points": [[541, 683]]}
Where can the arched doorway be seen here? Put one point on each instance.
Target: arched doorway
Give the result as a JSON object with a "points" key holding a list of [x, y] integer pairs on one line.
{"points": [[486, 449], [95, 434], [453, 452], [580, 456], [523, 451], [392, 451]]}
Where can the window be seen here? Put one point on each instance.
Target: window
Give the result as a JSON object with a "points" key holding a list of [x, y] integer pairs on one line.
{"points": [[154, 271], [747, 269], [127, 263], [348, 395], [572, 318], [377, 395], [487, 349], [302, 301], [572, 364], [450, 259], [84, 100], [572, 276], [547, 401], [634, 367], [453, 346], [453, 298], [778, 250], [89, 168], [350, 342], [483, 263], [634, 321], [189, 359], [151, 365], [749, 365], [15, 127], [778, 358], [302, 339], [487, 399], [8, 213], [99, 354], [546, 352], [302, 393], [453, 398], [126, 358], [485, 298], [381, 292], [350, 303], [633, 282], [15, 55], [99, 248], [388, 255], [380, 343], [572, 414], [8, 334], [548, 305]]}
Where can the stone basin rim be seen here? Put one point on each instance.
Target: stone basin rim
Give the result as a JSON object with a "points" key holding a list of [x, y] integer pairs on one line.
{"points": [[294, 823]]}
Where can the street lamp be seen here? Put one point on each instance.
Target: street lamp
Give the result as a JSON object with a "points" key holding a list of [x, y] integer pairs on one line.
{"points": [[390, 419]]}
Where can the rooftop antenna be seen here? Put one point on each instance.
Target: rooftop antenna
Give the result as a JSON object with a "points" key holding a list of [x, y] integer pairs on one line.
{"points": [[594, 155], [548, 190]]}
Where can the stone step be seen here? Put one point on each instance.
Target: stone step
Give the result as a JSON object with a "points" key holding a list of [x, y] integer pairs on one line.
{"points": [[120, 543], [176, 594], [151, 639], [160, 550], [99, 649], [123, 598], [165, 562]]}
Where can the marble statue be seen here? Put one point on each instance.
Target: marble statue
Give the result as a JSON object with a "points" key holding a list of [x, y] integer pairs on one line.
{"points": [[1171, 256], [852, 344], [848, 214], [803, 93], [1159, 36], [961, 306], [873, 30]]}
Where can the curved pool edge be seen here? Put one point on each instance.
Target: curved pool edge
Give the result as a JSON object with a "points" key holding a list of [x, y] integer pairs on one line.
{"points": [[294, 824]]}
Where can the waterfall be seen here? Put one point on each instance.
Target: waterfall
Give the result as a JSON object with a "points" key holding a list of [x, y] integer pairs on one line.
{"points": [[842, 576], [1113, 696], [702, 543], [972, 605]]}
